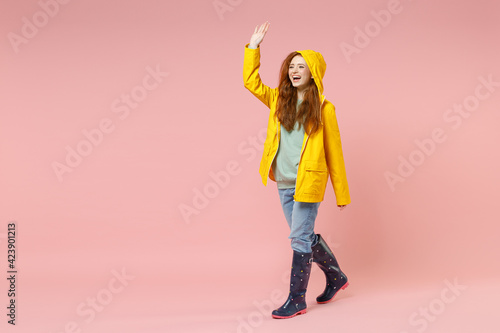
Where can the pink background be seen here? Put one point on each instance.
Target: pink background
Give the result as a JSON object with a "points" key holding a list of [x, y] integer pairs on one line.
{"points": [[217, 271]]}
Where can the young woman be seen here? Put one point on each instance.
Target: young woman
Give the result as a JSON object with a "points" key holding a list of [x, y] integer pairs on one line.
{"points": [[302, 148]]}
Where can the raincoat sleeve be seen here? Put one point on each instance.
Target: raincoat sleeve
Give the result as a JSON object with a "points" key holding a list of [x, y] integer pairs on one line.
{"points": [[334, 156], [251, 77]]}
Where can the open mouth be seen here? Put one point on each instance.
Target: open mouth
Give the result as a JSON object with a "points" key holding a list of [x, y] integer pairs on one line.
{"points": [[296, 78]]}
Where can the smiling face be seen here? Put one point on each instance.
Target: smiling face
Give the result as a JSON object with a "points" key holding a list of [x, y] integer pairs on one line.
{"points": [[299, 73]]}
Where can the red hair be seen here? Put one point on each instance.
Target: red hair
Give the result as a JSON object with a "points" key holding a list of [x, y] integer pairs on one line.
{"points": [[309, 112]]}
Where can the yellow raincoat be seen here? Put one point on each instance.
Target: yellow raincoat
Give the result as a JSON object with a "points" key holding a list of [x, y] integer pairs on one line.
{"points": [[321, 153]]}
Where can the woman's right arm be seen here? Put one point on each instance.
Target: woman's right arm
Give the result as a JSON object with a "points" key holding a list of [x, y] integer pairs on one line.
{"points": [[251, 65]]}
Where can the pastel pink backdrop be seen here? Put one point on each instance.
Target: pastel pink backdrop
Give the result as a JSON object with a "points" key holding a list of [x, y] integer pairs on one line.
{"points": [[120, 208]]}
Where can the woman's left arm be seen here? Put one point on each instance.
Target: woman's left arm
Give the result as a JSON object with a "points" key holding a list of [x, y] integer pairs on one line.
{"points": [[334, 155]]}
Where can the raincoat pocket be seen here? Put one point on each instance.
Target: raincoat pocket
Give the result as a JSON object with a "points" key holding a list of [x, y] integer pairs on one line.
{"points": [[316, 177]]}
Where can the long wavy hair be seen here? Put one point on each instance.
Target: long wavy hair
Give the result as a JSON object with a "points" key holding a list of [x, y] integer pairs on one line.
{"points": [[309, 112]]}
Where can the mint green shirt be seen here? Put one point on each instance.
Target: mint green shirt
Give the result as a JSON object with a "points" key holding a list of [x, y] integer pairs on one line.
{"points": [[286, 162]]}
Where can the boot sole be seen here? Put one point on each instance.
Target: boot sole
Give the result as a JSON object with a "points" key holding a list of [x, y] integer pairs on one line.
{"points": [[331, 299], [286, 317]]}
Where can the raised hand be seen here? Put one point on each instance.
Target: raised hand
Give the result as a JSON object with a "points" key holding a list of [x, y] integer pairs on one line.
{"points": [[258, 35]]}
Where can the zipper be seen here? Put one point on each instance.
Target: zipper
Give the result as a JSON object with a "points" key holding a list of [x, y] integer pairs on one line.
{"points": [[277, 137], [303, 148]]}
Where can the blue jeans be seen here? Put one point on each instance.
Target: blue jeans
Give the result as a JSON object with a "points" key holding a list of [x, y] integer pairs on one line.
{"points": [[300, 217]]}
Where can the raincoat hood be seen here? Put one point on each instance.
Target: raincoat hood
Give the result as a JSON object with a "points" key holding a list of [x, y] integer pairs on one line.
{"points": [[317, 66]]}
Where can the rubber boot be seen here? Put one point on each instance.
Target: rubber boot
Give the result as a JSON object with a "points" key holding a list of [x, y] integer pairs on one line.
{"points": [[299, 278], [335, 278]]}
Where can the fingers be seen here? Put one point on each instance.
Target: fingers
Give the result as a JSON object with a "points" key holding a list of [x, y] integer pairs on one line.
{"points": [[259, 33], [265, 26], [262, 28]]}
